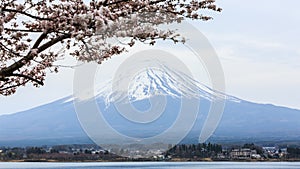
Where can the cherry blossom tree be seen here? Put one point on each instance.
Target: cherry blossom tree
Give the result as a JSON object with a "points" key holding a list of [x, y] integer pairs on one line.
{"points": [[30, 30]]}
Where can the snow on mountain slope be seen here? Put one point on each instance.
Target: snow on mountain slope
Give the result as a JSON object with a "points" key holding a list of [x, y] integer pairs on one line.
{"points": [[160, 81]]}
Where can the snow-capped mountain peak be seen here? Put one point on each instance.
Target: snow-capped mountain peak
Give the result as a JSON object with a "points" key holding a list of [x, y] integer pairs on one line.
{"points": [[159, 81]]}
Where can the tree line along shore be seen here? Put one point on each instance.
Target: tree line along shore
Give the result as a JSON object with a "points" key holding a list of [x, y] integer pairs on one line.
{"points": [[181, 152]]}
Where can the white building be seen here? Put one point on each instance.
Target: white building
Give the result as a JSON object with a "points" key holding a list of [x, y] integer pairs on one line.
{"points": [[244, 153]]}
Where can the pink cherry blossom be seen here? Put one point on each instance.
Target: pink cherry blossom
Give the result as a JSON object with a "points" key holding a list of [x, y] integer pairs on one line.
{"points": [[29, 30]]}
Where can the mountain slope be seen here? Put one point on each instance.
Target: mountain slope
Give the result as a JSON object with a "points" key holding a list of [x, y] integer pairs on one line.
{"points": [[53, 123], [57, 123]]}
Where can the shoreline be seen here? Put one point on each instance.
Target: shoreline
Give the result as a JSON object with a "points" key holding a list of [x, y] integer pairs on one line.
{"points": [[175, 160]]}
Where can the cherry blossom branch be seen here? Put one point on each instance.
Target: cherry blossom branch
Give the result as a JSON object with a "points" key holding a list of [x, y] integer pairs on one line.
{"points": [[29, 78], [114, 3], [53, 42], [68, 66], [39, 40], [26, 14], [13, 86], [3, 79], [86, 27], [30, 56], [22, 30], [9, 50], [17, 65]]}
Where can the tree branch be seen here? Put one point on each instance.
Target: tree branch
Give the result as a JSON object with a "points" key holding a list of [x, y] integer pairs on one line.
{"points": [[38, 41], [3, 79], [9, 87], [26, 14], [9, 50], [17, 65], [28, 77], [54, 41], [22, 30], [114, 3]]}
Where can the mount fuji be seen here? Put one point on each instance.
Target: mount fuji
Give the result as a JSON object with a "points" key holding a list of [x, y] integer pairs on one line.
{"points": [[57, 122]]}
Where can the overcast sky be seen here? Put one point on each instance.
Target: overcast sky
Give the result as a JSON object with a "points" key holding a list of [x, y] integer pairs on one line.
{"points": [[257, 43]]}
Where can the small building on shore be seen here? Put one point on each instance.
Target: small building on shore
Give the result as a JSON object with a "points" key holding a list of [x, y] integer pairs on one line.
{"points": [[243, 153]]}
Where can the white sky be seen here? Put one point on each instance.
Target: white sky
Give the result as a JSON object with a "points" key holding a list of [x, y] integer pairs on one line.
{"points": [[256, 41]]}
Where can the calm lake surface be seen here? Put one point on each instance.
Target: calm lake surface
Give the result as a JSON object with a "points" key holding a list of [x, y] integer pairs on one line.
{"points": [[156, 165]]}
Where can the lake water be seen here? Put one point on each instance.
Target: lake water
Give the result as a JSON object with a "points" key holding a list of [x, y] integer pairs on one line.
{"points": [[155, 165]]}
